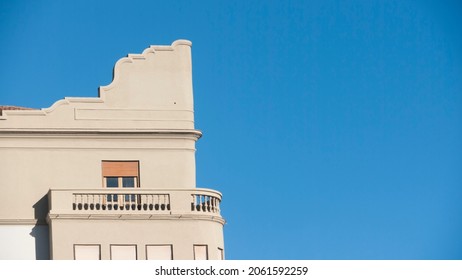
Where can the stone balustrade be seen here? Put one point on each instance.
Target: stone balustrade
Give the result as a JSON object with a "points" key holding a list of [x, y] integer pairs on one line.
{"points": [[96, 202]]}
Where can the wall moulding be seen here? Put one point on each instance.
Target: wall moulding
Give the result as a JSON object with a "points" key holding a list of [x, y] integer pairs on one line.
{"points": [[22, 222], [134, 115]]}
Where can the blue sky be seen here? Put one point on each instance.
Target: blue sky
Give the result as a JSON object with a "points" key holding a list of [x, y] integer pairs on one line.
{"points": [[333, 128]]}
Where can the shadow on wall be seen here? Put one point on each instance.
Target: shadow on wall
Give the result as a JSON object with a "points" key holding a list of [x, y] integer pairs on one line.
{"points": [[40, 231]]}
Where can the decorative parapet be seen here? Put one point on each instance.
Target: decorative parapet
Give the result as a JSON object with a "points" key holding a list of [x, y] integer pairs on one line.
{"points": [[135, 204], [151, 90]]}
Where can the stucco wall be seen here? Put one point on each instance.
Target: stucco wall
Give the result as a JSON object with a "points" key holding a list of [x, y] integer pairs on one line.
{"points": [[182, 234], [33, 165], [24, 242]]}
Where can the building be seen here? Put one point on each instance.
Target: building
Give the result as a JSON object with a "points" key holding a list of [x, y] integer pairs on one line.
{"points": [[110, 177]]}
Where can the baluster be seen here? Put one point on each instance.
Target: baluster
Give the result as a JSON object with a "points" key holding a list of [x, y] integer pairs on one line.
{"points": [[115, 201], [98, 202], [136, 201], [163, 206], [164, 197], [149, 202], [156, 202], [104, 202], [146, 201], [160, 199], [142, 198], [132, 199], [128, 199]]}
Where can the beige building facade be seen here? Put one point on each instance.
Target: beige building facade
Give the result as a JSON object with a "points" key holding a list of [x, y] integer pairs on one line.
{"points": [[110, 177]]}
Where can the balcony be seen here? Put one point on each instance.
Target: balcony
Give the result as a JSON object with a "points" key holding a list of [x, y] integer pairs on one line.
{"points": [[134, 204]]}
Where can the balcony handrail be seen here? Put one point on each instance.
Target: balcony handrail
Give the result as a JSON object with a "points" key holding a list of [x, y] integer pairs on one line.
{"points": [[141, 190], [181, 202]]}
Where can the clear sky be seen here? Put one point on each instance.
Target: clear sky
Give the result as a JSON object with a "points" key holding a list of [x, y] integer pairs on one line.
{"points": [[332, 128]]}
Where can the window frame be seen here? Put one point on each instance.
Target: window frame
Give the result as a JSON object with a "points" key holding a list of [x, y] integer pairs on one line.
{"points": [[87, 245], [120, 182], [200, 246], [159, 245], [117, 170], [113, 246]]}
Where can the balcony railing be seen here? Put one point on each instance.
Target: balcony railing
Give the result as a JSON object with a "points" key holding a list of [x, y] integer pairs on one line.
{"points": [[118, 201], [90, 202]]}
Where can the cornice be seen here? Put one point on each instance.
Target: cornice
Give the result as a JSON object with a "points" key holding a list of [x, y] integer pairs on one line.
{"points": [[102, 132], [135, 217]]}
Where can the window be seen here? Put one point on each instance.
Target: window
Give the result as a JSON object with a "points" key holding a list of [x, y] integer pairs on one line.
{"points": [[87, 252], [120, 174], [221, 255], [200, 252], [159, 252], [123, 252]]}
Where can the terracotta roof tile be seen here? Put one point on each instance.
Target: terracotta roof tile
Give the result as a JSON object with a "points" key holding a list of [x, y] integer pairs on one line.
{"points": [[2, 107]]}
